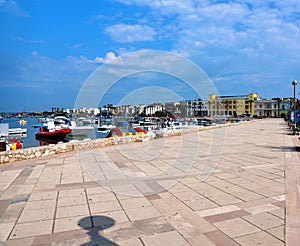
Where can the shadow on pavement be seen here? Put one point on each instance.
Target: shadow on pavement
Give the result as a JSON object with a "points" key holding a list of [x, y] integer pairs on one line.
{"points": [[94, 225], [282, 148]]}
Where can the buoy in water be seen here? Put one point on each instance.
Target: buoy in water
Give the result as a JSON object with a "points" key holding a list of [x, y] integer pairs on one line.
{"points": [[23, 122]]}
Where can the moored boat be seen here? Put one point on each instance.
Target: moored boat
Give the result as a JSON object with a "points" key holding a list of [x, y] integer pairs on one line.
{"points": [[53, 134], [17, 132], [82, 130], [51, 131], [105, 128]]}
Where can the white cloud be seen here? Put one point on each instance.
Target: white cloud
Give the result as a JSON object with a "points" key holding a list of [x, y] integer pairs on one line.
{"points": [[257, 38], [124, 33], [12, 7], [109, 58], [236, 27], [166, 7]]}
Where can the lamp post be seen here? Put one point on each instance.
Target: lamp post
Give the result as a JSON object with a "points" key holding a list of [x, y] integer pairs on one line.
{"points": [[294, 83]]}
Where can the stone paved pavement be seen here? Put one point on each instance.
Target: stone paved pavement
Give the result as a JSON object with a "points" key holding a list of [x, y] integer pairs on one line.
{"points": [[167, 191]]}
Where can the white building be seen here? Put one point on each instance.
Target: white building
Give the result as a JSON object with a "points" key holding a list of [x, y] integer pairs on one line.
{"points": [[152, 108], [266, 108]]}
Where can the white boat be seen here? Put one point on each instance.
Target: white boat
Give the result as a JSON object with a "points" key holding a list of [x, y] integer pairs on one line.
{"points": [[105, 128], [85, 121], [17, 132], [146, 122], [62, 120], [80, 130]]}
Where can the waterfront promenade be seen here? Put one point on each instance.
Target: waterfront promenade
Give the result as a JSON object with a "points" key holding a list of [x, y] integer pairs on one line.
{"points": [[236, 185]]}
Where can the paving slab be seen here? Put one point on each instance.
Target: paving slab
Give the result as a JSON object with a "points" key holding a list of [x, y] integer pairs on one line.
{"points": [[277, 232], [259, 238], [71, 211], [31, 215], [71, 223], [236, 227], [22, 230], [154, 193], [105, 206], [167, 238], [264, 220]]}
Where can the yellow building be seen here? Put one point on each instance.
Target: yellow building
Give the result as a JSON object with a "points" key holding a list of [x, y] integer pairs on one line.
{"points": [[232, 105]]}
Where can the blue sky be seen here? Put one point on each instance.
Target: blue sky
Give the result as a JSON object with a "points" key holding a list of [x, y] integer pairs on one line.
{"points": [[48, 48]]}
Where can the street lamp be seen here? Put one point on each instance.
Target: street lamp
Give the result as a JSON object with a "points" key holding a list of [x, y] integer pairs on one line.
{"points": [[294, 83]]}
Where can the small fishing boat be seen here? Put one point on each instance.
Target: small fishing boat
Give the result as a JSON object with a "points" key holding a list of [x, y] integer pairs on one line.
{"points": [[50, 131], [53, 134]]}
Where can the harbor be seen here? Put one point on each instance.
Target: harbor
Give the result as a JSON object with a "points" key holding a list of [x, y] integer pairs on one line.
{"points": [[143, 194], [27, 130], [149, 123], [108, 136]]}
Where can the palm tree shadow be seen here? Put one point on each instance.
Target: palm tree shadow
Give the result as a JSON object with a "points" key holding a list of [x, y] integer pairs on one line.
{"points": [[95, 224]]}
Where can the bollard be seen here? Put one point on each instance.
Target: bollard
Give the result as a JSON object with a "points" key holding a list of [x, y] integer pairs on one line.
{"points": [[129, 133], [123, 134]]}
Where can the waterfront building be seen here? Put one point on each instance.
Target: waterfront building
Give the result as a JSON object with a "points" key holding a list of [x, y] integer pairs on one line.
{"points": [[284, 106], [188, 108], [86, 111], [196, 107], [174, 108], [232, 106], [266, 108], [150, 109], [129, 110], [139, 109]]}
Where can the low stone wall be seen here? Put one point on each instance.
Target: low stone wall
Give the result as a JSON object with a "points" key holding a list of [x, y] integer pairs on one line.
{"points": [[52, 149]]}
